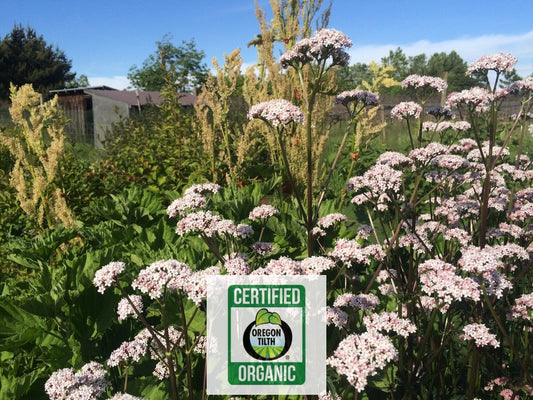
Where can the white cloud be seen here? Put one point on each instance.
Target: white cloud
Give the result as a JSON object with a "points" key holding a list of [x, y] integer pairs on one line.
{"points": [[116, 82], [469, 48]]}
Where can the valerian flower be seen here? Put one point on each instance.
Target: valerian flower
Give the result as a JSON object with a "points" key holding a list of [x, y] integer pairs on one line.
{"points": [[106, 276], [324, 44], [406, 109], [417, 81], [500, 62], [480, 334], [277, 112], [366, 98], [360, 356]]}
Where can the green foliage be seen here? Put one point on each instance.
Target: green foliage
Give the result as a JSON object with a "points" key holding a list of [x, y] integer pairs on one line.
{"points": [[184, 63], [25, 57], [156, 148]]}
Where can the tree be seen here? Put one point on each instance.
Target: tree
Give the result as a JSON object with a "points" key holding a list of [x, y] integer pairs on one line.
{"points": [[25, 57], [398, 60], [78, 82], [352, 76], [452, 68], [184, 63]]}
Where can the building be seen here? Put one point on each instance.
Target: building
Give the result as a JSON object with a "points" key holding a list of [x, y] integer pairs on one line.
{"points": [[92, 111]]}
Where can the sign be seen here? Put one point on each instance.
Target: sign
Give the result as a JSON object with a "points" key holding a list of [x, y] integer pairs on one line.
{"points": [[259, 335]]}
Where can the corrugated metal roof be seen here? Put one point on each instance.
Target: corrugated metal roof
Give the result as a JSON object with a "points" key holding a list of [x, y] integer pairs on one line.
{"points": [[133, 97]]}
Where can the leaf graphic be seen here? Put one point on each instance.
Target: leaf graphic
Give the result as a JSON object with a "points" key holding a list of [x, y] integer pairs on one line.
{"points": [[274, 318], [262, 317]]}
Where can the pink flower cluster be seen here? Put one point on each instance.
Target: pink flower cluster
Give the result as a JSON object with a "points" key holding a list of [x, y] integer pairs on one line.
{"points": [[364, 302], [359, 357], [366, 98], [522, 87], [277, 112], [394, 159], [336, 316], [126, 396], [347, 251], [263, 248], [88, 383], [106, 276], [263, 212], [236, 264], [125, 308], [193, 199], [327, 222], [522, 309], [134, 350], [209, 224], [405, 110], [500, 62], [480, 334], [390, 322], [438, 278], [477, 98], [417, 81], [160, 276], [324, 44]]}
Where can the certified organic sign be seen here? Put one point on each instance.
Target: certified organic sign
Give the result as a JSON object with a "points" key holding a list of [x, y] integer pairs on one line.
{"points": [[258, 335]]}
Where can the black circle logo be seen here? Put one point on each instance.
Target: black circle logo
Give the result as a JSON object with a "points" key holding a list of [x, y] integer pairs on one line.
{"points": [[268, 337]]}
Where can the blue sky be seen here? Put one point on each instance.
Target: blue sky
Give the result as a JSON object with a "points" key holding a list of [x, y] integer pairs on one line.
{"points": [[104, 38]]}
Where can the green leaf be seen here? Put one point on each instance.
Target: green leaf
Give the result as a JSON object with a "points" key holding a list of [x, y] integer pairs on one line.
{"points": [[274, 318], [262, 317]]}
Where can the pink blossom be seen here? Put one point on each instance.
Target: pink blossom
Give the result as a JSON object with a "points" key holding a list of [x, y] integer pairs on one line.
{"points": [[368, 99], [522, 87], [480, 334], [134, 350], [417, 81], [359, 357], [202, 188], [106, 276], [347, 250], [394, 159], [363, 233], [500, 62], [479, 261], [438, 278], [87, 384], [263, 248], [203, 221], [170, 274], [389, 321], [406, 109], [522, 309], [263, 212], [324, 44], [281, 266], [236, 264], [462, 126], [423, 155], [126, 396], [315, 265], [336, 316], [364, 302], [277, 112], [331, 219], [125, 309], [196, 284], [191, 201], [478, 98]]}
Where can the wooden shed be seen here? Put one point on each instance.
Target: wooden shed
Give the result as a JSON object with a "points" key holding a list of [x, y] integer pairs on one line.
{"points": [[92, 111]]}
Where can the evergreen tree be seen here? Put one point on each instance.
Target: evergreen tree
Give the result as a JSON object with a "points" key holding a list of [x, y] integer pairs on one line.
{"points": [[25, 57]]}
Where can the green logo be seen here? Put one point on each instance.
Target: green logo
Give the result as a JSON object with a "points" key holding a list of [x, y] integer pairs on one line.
{"points": [[266, 334], [268, 337]]}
